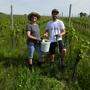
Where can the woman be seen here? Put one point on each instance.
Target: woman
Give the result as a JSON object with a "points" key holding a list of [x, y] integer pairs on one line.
{"points": [[33, 37]]}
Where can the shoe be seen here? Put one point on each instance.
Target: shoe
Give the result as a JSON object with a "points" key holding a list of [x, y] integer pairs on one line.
{"points": [[52, 61], [40, 63], [30, 66], [63, 65]]}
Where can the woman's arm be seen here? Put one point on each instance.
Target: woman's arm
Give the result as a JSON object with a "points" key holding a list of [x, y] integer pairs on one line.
{"points": [[31, 36]]}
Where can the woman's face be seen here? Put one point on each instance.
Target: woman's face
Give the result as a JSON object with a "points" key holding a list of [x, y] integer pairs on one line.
{"points": [[34, 19]]}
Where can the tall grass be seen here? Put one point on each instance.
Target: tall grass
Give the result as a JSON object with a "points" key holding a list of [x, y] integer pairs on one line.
{"points": [[14, 73]]}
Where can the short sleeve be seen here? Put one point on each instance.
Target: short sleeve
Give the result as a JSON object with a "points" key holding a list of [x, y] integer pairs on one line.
{"points": [[28, 27], [62, 26], [47, 27]]}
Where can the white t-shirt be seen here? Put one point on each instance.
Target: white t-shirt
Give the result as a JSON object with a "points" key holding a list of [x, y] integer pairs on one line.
{"points": [[55, 28]]}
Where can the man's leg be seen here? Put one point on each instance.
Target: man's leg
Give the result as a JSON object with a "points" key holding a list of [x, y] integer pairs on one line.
{"points": [[62, 51], [52, 57], [52, 51]]}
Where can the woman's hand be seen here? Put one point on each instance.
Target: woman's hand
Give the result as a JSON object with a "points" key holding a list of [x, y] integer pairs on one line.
{"points": [[39, 41]]}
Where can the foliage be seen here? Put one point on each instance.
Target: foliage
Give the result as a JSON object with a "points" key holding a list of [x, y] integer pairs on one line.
{"points": [[14, 73]]}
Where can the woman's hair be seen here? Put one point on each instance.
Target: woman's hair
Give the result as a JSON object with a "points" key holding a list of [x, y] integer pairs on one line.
{"points": [[33, 14]]}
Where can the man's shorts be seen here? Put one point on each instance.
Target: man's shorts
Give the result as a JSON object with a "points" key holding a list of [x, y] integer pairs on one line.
{"points": [[53, 45]]}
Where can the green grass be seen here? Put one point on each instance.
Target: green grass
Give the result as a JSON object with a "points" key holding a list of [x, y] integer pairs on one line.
{"points": [[14, 73]]}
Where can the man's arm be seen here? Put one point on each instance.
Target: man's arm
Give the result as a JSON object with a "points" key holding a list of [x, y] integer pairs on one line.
{"points": [[62, 28], [46, 33], [62, 32]]}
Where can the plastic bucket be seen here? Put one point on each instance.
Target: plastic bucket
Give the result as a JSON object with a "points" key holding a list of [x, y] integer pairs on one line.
{"points": [[45, 44]]}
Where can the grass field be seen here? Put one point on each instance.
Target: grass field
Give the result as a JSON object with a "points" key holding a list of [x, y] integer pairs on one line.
{"points": [[15, 75]]}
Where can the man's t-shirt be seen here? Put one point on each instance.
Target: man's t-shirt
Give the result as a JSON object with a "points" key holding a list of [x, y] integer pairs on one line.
{"points": [[55, 28], [34, 29]]}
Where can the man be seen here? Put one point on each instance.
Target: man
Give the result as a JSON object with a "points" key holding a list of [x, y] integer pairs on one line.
{"points": [[55, 29]]}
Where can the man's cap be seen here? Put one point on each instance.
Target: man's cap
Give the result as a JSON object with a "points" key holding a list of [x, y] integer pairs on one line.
{"points": [[55, 11], [33, 14]]}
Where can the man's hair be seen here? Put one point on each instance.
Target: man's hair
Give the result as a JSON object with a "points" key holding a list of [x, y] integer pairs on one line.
{"points": [[55, 11]]}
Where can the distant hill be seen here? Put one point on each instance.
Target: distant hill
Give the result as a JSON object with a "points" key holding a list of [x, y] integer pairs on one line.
{"points": [[1, 13]]}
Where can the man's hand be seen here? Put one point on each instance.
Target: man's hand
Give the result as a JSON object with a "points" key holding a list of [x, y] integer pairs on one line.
{"points": [[46, 34], [58, 35]]}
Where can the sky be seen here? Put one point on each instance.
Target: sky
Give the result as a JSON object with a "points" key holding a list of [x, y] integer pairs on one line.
{"points": [[44, 7]]}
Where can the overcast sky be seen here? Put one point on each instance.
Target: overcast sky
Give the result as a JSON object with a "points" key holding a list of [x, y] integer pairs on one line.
{"points": [[44, 7]]}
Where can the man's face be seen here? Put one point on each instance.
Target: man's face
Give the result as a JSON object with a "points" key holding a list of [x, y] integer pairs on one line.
{"points": [[54, 15]]}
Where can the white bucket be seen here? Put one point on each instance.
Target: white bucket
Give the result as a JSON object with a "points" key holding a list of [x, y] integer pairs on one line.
{"points": [[45, 44]]}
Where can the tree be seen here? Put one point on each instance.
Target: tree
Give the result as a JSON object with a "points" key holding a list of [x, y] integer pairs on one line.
{"points": [[82, 14]]}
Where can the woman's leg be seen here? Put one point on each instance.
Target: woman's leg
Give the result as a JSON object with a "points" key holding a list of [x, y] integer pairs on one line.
{"points": [[38, 48], [30, 52]]}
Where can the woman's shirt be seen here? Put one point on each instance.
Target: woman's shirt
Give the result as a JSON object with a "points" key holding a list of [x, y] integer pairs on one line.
{"points": [[35, 31]]}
